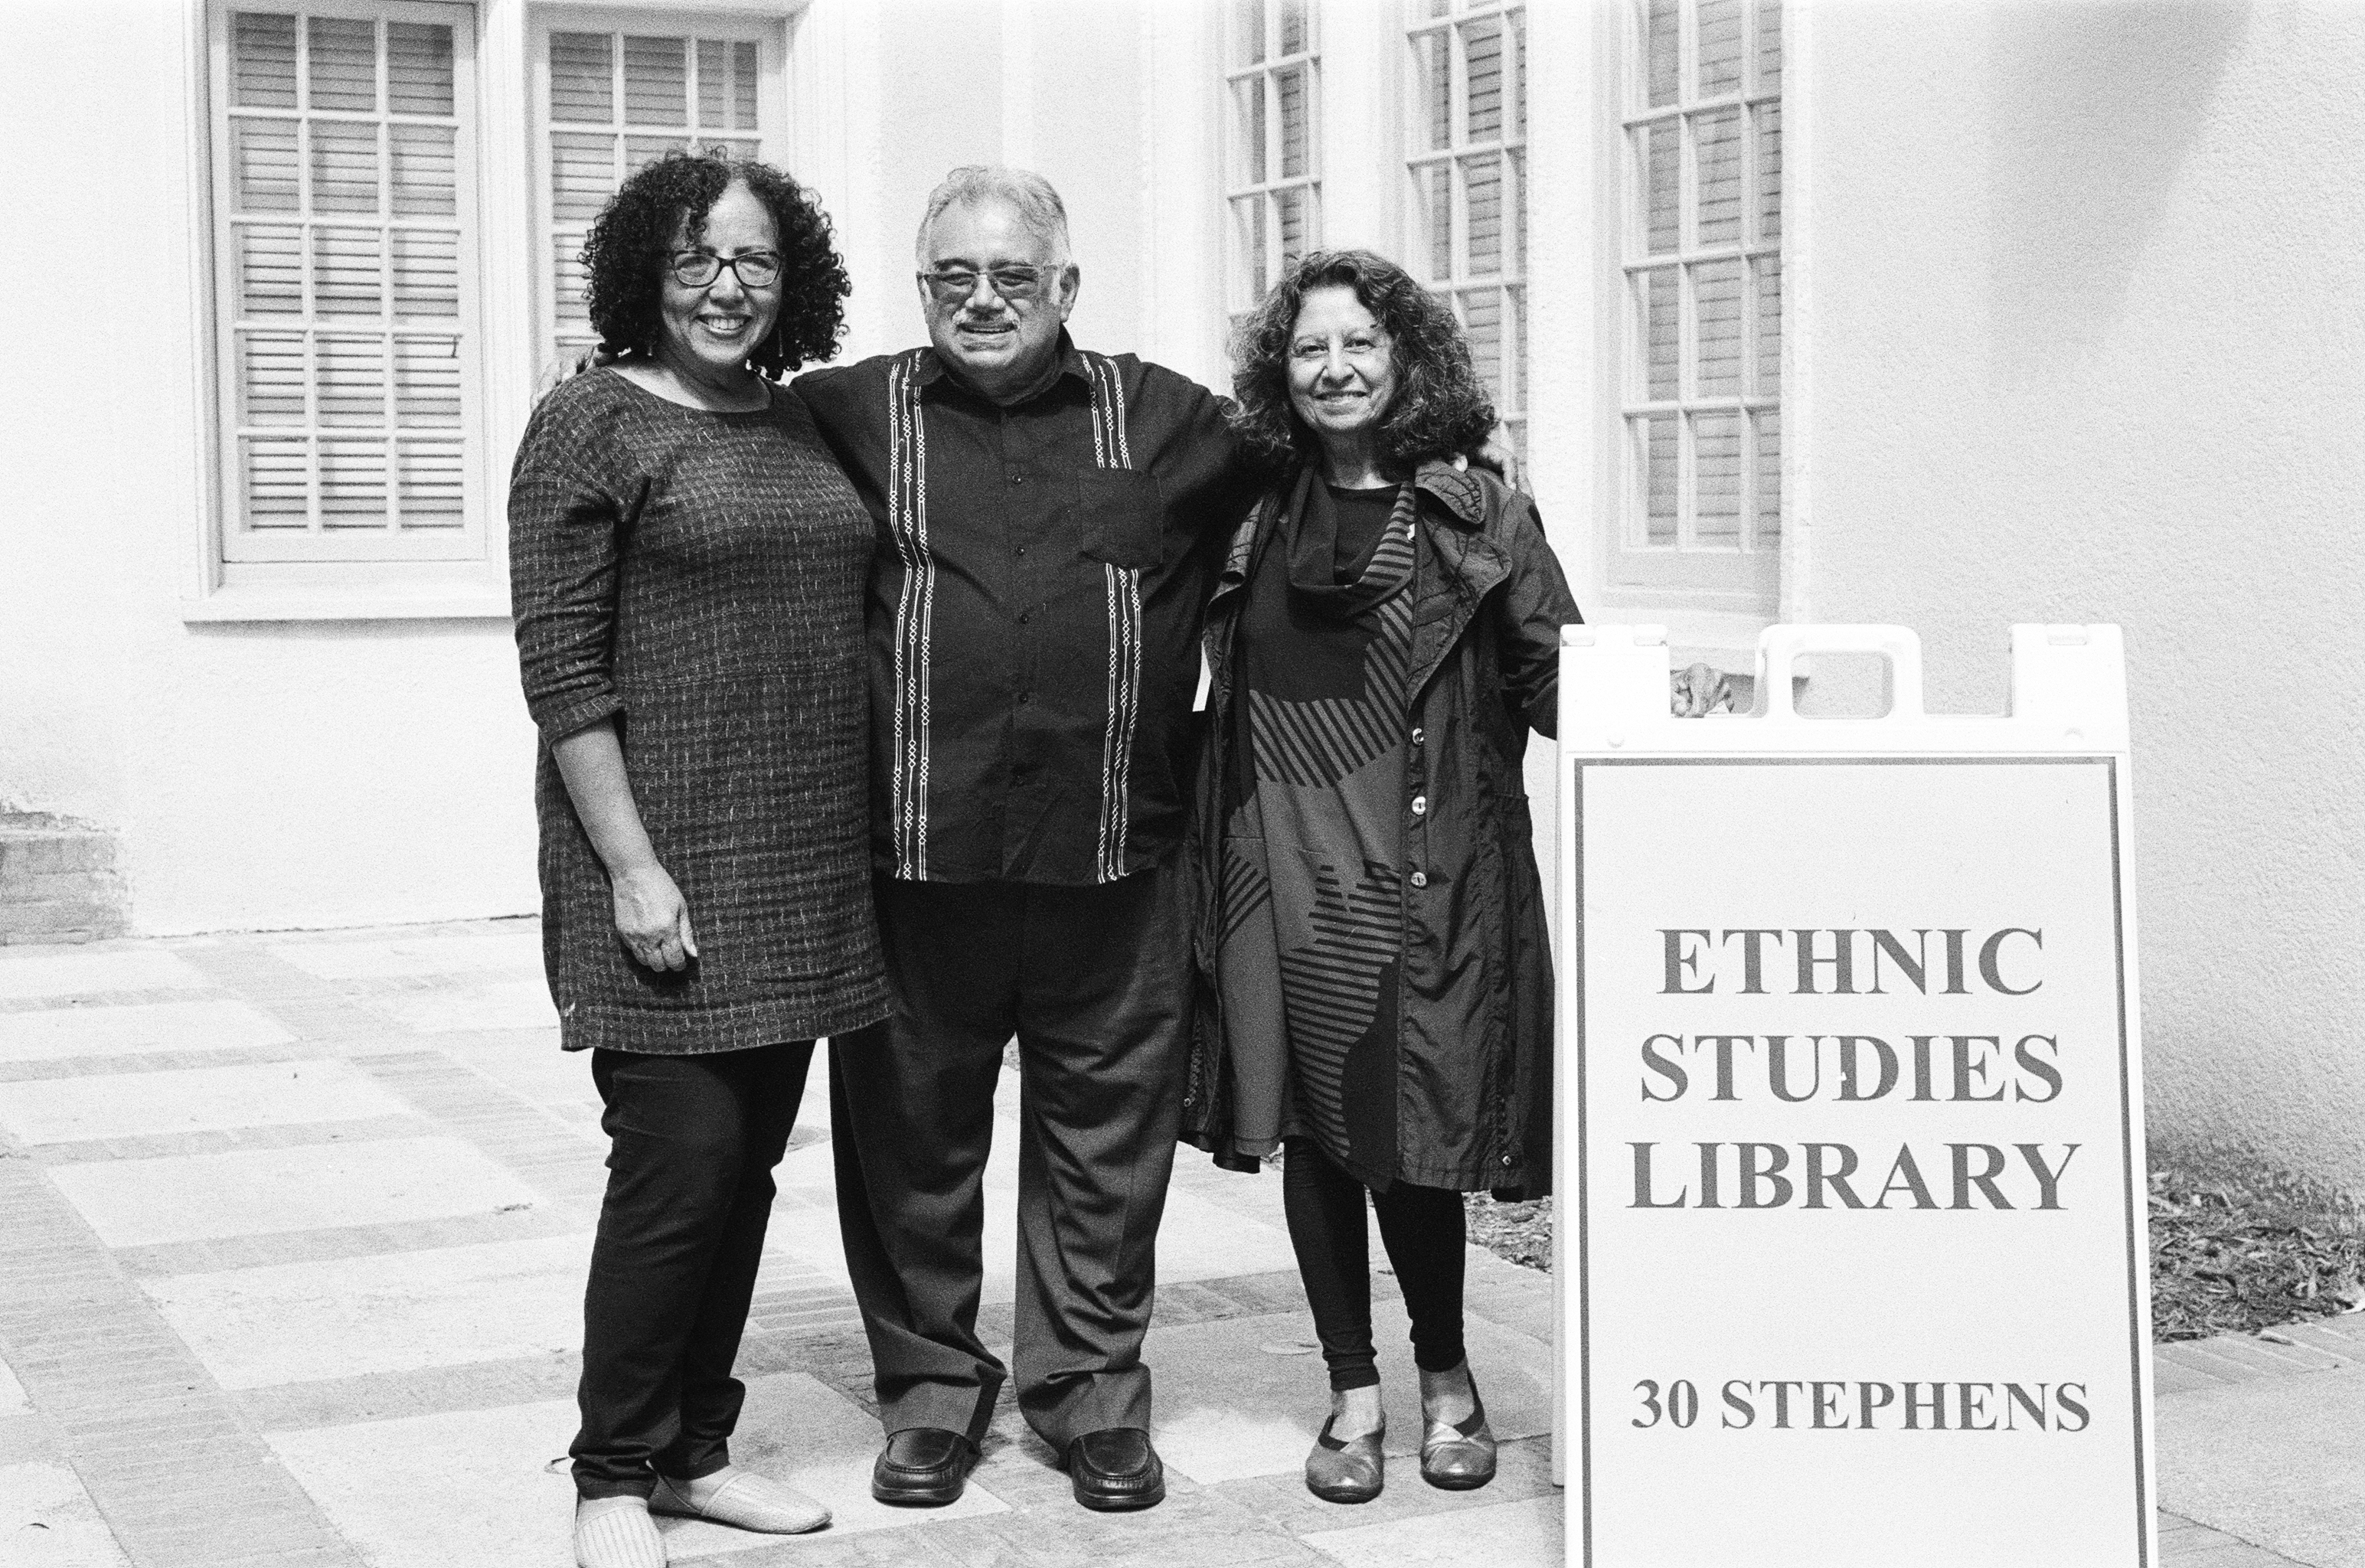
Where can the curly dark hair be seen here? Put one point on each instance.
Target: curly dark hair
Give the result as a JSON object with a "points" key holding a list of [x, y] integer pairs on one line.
{"points": [[1439, 408], [625, 254]]}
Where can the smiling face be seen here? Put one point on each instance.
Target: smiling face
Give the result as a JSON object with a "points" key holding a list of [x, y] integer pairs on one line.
{"points": [[710, 332], [1001, 346], [1341, 371]]}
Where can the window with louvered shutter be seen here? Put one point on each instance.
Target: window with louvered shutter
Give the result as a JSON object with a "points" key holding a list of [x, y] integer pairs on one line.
{"points": [[1272, 191], [1465, 153], [614, 90], [344, 257], [1702, 279]]}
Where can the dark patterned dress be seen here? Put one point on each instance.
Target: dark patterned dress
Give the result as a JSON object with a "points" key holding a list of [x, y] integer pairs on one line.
{"points": [[1313, 933], [698, 578]]}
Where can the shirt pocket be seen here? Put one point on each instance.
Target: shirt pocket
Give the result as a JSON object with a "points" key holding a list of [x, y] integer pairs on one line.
{"points": [[1120, 516]]}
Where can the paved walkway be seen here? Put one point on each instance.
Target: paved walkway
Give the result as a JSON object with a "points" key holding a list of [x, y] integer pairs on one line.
{"points": [[292, 1238]]}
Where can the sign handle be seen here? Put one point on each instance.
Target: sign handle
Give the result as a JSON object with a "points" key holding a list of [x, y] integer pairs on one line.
{"points": [[1779, 648]]}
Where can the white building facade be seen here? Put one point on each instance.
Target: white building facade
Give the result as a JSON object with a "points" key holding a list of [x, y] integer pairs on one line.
{"points": [[1945, 315]]}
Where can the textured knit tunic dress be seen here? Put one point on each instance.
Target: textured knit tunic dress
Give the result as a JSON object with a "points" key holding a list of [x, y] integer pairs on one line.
{"points": [[698, 577], [1314, 930]]}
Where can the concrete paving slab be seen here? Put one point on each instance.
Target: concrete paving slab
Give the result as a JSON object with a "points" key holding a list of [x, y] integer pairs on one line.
{"points": [[437, 953], [26, 974], [504, 1004], [393, 1312], [137, 1202], [98, 1030], [529, 1064], [47, 1520], [479, 1486], [1494, 1537], [1233, 1403], [2273, 1460], [138, 1104]]}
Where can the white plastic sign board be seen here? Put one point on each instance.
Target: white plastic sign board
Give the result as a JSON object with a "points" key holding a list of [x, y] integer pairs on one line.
{"points": [[1853, 1256]]}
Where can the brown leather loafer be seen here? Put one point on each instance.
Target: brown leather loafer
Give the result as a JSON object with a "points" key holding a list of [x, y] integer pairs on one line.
{"points": [[1115, 1470], [923, 1467], [1349, 1470]]}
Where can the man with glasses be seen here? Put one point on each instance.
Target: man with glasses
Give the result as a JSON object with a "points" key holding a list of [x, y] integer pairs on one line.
{"points": [[1049, 524]]}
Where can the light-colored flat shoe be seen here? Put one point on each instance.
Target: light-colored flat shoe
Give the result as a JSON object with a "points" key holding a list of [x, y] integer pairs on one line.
{"points": [[1350, 1469], [616, 1532], [745, 1501]]}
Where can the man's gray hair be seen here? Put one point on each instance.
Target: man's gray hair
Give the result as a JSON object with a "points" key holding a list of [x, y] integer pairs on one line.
{"points": [[1038, 205]]}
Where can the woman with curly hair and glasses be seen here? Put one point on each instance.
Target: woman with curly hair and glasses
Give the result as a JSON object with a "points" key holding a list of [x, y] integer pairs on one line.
{"points": [[1376, 991], [688, 564]]}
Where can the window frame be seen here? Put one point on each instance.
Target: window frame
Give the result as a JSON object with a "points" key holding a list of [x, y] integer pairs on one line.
{"points": [[1240, 289], [231, 561], [1748, 580], [1510, 391]]}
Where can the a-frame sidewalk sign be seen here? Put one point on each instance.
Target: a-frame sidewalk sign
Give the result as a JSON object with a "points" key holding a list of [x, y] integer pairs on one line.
{"points": [[1851, 1252]]}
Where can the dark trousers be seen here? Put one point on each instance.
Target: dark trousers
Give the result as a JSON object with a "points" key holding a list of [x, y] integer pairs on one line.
{"points": [[692, 1143], [1095, 982], [1422, 1227]]}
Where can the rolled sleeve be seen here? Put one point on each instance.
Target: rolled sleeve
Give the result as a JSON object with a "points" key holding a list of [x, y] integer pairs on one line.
{"points": [[567, 524]]}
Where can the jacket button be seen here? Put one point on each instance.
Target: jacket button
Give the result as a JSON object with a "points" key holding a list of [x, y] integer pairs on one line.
{"points": [[1420, 878], [1420, 805], [1417, 737]]}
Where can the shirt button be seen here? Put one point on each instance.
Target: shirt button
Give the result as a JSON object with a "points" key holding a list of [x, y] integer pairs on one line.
{"points": [[1024, 698], [1020, 551], [1507, 1159], [1420, 805], [1420, 878], [1417, 737], [1025, 616], [1018, 478]]}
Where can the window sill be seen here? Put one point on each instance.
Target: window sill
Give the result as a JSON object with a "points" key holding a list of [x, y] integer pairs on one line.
{"points": [[252, 604]]}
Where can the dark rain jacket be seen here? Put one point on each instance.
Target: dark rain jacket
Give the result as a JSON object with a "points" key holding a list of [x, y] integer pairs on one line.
{"points": [[1473, 1101]]}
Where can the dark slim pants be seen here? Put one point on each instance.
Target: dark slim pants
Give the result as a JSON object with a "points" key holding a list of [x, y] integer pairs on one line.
{"points": [[1095, 982], [692, 1143], [1422, 1228]]}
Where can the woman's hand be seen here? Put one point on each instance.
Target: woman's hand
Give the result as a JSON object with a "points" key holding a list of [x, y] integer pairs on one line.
{"points": [[1698, 690], [653, 919]]}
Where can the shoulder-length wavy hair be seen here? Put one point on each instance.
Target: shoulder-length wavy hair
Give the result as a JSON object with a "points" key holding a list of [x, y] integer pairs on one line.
{"points": [[625, 256], [1439, 410]]}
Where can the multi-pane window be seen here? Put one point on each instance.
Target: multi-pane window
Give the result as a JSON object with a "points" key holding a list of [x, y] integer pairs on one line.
{"points": [[344, 152], [1702, 362], [1466, 127], [1273, 185], [610, 101]]}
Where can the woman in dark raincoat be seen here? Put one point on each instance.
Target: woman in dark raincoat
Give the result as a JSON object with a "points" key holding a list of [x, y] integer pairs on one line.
{"points": [[1375, 984]]}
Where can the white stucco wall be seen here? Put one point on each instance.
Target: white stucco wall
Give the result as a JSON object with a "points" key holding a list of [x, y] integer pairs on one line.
{"points": [[259, 776], [276, 775], [2084, 344]]}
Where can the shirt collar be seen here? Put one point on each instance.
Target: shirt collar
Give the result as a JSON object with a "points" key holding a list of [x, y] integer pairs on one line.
{"points": [[933, 369]]}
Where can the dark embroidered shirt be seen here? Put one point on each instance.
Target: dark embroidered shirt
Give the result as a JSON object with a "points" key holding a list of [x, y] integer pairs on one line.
{"points": [[1034, 610]]}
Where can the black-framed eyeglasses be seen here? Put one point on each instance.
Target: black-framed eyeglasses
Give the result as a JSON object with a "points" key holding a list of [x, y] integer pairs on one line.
{"points": [[695, 269], [950, 286]]}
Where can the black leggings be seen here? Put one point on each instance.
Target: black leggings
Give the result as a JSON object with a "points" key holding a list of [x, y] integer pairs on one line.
{"points": [[1422, 1229]]}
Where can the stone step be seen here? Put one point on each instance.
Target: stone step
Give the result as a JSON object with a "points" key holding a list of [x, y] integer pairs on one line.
{"points": [[57, 881], [35, 844]]}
